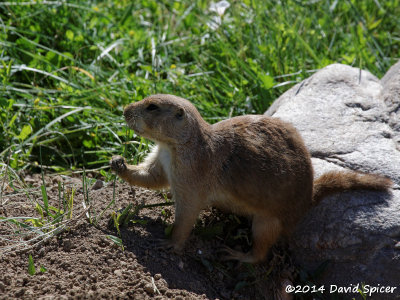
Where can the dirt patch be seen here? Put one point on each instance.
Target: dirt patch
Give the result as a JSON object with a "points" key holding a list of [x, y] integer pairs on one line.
{"points": [[83, 262]]}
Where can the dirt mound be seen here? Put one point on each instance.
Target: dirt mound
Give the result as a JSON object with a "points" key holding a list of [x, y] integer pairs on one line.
{"points": [[85, 261]]}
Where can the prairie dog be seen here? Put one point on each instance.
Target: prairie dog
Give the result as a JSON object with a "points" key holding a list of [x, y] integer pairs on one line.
{"points": [[251, 165]]}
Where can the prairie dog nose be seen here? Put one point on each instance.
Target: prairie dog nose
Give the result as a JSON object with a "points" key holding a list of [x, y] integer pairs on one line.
{"points": [[128, 111]]}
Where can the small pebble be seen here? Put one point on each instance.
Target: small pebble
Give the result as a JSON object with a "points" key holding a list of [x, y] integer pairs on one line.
{"points": [[149, 288], [180, 265], [98, 184], [67, 245]]}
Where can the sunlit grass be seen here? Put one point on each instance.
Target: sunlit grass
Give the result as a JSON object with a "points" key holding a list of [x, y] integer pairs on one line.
{"points": [[68, 68]]}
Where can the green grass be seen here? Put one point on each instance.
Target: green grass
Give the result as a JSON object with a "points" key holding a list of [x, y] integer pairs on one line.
{"points": [[68, 68]]}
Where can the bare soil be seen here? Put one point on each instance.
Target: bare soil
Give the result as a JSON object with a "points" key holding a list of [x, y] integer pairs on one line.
{"points": [[82, 262]]}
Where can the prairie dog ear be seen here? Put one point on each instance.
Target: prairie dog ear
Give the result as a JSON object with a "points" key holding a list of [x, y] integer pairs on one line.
{"points": [[180, 113]]}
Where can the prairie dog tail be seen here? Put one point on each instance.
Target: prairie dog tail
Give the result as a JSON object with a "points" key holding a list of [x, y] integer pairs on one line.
{"points": [[335, 181]]}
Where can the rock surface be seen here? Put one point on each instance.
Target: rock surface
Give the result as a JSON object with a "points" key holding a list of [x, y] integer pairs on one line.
{"points": [[350, 120]]}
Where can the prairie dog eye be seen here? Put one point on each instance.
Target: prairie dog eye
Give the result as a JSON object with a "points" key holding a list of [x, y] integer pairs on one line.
{"points": [[152, 107], [179, 114]]}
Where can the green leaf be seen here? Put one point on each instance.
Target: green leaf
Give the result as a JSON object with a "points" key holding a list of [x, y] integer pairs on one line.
{"points": [[88, 143], [79, 38], [12, 120], [267, 81], [68, 54], [56, 210], [125, 216], [39, 209], [43, 269], [116, 240], [141, 222], [93, 22], [70, 35], [50, 55], [25, 132], [3, 103], [115, 220], [35, 222], [375, 24], [146, 68], [31, 266]]}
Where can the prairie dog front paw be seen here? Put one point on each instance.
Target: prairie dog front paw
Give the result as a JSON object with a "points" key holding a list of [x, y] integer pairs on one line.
{"points": [[118, 164]]}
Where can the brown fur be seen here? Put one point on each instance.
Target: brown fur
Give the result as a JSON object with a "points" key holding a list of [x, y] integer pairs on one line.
{"points": [[252, 165], [333, 182]]}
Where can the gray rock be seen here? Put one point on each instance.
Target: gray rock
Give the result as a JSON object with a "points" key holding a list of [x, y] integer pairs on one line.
{"points": [[98, 184], [349, 120]]}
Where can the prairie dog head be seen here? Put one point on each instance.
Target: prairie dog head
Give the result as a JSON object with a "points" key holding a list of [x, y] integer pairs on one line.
{"points": [[163, 118]]}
